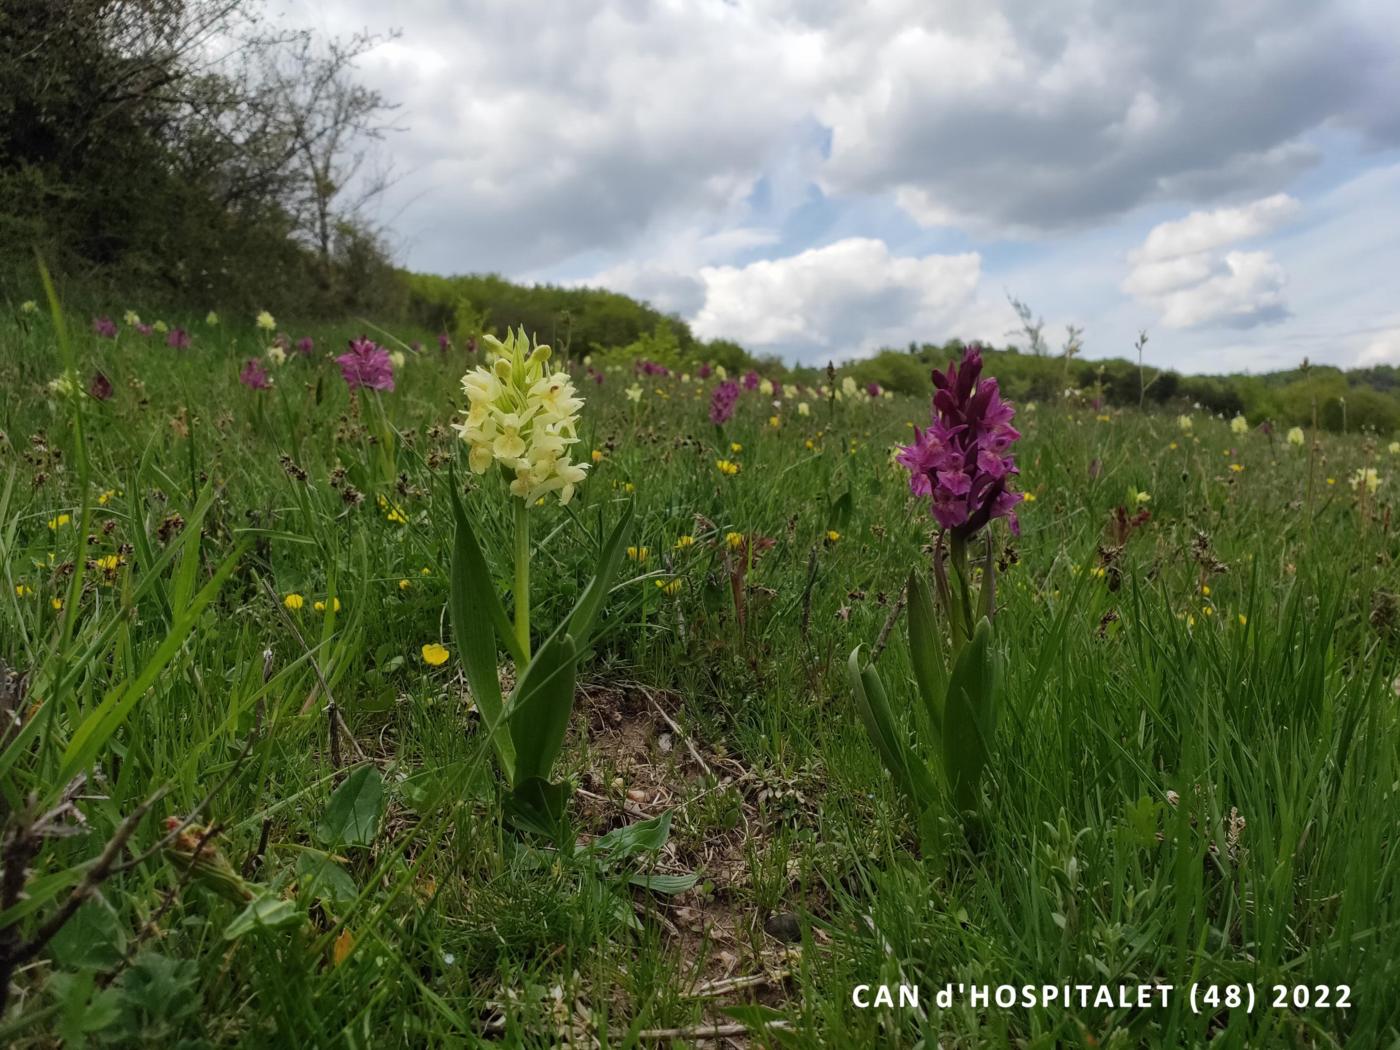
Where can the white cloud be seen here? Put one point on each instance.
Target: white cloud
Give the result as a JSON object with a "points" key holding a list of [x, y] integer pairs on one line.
{"points": [[1383, 349], [1180, 270], [1202, 231], [542, 131], [850, 297]]}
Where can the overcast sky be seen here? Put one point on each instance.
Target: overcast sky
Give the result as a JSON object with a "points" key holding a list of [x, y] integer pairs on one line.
{"points": [[818, 178]]}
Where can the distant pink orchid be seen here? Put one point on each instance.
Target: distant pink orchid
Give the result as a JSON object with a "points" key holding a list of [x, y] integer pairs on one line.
{"points": [[178, 339], [366, 365], [105, 327], [99, 387], [254, 376]]}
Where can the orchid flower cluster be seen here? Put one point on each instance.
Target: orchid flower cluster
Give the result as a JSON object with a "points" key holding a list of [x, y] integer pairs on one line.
{"points": [[963, 464], [523, 415]]}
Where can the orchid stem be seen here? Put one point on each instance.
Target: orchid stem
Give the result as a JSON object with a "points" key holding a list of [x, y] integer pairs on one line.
{"points": [[522, 576]]}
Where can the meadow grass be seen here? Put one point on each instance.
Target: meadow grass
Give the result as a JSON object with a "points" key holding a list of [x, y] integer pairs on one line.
{"points": [[1194, 777]]}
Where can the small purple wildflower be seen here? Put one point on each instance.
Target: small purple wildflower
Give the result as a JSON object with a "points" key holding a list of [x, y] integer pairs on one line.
{"points": [[178, 339], [99, 387], [444, 342], [305, 345], [105, 327], [254, 376], [963, 462], [145, 329], [366, 365], [873, 389], [722, 401], [750, 380], [704, 370]]}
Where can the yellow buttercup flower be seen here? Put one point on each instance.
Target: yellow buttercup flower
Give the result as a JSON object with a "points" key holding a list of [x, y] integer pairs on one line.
{"points": [[735, 540], [685, 541], [774, 421], [404, 585], [832, 536], [56, 603], [735, 447], [596, 455], [435, 654], [523, 415], [295, 601], [59, 522], [321, 606], [637, 553], [669, 587], [108, 562], [727, 467], [23, 590], [1028, 497]]}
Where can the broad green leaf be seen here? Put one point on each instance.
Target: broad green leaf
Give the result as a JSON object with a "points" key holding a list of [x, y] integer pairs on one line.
{"points": [[94, 938], [323, 879], [645, 836], [478, 623], [910, 774], [539, 807], [669, 885], [540, 707], [926, 652], [266, 912], [590, 603], [970, 715], [352, 816]]}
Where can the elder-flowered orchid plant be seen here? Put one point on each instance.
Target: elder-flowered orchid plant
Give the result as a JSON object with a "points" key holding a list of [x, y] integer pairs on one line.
{"points": [[962, 463], [522, 416]]}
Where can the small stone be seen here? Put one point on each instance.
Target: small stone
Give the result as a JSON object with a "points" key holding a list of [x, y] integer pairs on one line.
{"points": [[784, 926]]}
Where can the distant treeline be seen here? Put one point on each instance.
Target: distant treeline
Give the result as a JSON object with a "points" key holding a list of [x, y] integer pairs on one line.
{"points": [[611, 326]]}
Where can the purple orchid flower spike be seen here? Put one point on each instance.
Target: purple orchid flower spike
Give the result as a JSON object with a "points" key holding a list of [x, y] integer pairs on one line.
{"points": [[963, 460]]}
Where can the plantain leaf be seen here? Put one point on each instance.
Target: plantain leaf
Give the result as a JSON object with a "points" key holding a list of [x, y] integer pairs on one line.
{"points": [[926, 653], [352, 816], [540, 707], [645, 836], [970, 715]]}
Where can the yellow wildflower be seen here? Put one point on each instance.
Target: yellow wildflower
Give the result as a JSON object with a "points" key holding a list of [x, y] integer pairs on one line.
{"points": [[735, 540], [435, 654], [727, 467], [295, 601], [683, 542], [637, 553], [669, 587], [266, 321], [59, 522]]}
